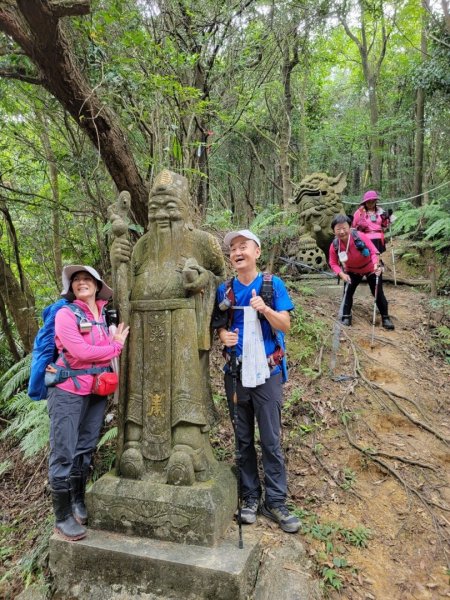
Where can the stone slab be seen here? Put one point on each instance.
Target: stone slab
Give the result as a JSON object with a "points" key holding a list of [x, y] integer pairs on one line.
{"points": [[113, 566], [199, 514]]}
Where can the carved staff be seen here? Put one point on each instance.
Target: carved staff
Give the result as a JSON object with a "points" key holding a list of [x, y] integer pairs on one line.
{"points": [[118, 217]]}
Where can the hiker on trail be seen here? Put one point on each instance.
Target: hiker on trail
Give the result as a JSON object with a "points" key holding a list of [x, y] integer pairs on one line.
{"points": [[352, 257], [76, 412], [372, 220], [259, 381]]}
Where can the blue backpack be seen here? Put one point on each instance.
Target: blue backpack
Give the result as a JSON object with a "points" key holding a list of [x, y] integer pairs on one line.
{"points": [[45, 352]]}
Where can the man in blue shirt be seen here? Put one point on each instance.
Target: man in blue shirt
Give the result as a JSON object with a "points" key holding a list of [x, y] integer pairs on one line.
{"points": [[262, 402]]}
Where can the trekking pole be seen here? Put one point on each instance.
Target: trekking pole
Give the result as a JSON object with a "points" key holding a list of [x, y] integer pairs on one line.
{"points": [[337, 330], [374, 310], [392, 255], [237, 454]]}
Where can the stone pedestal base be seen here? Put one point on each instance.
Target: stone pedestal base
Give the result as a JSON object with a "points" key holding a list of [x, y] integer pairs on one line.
{"points": [[112, 566], [197, 514]]}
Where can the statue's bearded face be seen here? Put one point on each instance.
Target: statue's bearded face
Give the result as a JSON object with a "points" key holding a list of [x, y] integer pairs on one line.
{"points": [[164, 209], [166, 203]]}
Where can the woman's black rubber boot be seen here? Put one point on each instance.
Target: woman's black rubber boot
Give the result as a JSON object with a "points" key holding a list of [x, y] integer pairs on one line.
{"points": [[387, 323], [65, 524], [77, 491]]}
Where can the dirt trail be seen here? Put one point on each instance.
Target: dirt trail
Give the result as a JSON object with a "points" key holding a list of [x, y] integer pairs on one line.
{"points": [[404, 496], [396, 484]]}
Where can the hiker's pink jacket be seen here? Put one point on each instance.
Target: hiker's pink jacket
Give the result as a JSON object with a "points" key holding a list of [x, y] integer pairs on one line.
{"points": [[83, 350], [356, 263], [374, 229]]}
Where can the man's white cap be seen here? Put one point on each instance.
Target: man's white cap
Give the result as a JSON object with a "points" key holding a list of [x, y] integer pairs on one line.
{"points": [[104, 293], [246, 233]]}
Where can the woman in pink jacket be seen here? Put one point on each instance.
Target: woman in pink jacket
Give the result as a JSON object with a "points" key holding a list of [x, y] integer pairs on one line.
{"points": [[372, 220], [76, 410], [353, 257]]}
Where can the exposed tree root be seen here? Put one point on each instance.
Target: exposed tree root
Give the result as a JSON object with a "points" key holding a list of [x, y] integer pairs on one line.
{"points": [[376, 456], [404, 412], [428, 504]]}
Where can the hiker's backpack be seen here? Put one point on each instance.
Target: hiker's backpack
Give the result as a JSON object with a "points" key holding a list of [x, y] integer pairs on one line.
{"points": [[44, 348], [223, 318]]}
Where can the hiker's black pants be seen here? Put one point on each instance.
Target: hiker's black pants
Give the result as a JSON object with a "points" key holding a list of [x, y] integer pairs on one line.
{"points": [[350, 289], [262, 403], [75, 423]]}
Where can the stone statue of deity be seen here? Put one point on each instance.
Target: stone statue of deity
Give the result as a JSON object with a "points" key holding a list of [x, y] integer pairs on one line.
{"points": [[172, 271]]}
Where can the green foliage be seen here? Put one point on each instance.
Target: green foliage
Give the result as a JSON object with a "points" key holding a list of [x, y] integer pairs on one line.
{"points": [[108, 436], [430, 222], [349, 478], [433, 74], [334, 537], [29, 423], [31, 566], [5, 466], [301, 288], [219, 219], [14, 378], [307, 336], [441, 341]]}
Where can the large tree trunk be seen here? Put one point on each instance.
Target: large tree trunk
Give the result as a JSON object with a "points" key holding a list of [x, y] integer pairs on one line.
{"points": [[6, 328], [53, 172], [20, 304], [35, 25], [420, 122], [286, 128]]}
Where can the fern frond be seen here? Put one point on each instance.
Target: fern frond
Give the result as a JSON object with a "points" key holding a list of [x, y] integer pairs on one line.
{"points": [[36, 440], [267, 218], [15, 378], [30, 424], [109, 435], [5, 466]]}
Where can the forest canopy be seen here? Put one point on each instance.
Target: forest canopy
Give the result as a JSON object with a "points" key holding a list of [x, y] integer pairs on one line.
{"points": [[243, 97]]}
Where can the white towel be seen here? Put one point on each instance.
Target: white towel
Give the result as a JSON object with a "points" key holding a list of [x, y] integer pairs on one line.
{"points": [[255, 369]]}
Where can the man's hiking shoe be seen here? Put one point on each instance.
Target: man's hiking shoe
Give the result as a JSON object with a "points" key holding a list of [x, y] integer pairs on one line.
{"points": [[346, 320], [280, 514], [248, 510], [387, 323]]}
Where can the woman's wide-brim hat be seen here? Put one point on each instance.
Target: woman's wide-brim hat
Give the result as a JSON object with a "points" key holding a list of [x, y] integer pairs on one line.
{"points": [[104, 293], [369, 195]]}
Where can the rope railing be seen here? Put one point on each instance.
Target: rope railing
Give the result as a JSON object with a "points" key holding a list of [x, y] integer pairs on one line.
{"points": [[390, 202]]}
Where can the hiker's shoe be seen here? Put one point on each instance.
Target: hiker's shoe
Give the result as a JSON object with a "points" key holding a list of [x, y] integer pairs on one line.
{"points": [[248, 510], [281, 515], [346, 320], [387, 323], [65, 524]]}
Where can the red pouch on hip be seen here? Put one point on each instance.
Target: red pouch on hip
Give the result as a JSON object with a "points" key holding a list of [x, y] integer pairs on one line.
{"points": [[105, 384]]}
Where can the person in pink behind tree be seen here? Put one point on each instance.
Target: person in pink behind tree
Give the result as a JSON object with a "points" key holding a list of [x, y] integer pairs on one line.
{"points": [[372, 220]]}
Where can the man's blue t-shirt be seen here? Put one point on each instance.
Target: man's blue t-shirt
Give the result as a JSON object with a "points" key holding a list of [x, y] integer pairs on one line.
{"points": [[243, 295]]}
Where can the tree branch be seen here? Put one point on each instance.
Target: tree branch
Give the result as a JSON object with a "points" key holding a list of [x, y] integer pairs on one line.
{"points": [[69, 8], [19, 74]]}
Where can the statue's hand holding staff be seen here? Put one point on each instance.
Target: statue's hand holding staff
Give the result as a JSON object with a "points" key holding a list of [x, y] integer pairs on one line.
{"points": [[120, 251]]}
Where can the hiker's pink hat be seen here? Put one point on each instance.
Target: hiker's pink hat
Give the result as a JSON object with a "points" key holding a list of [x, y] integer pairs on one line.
{"points": [[104, 293], [369, 195]]}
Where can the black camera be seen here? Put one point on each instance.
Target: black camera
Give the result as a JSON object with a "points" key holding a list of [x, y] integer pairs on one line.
{"points": [[112, 317]]}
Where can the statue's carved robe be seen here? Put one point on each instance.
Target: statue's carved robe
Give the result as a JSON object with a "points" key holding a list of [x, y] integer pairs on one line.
{"points": [[169, 334]]}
